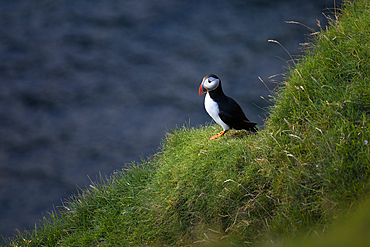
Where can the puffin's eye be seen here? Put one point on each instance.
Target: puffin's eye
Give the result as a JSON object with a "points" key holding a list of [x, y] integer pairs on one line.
{"points": [[209, 81]]}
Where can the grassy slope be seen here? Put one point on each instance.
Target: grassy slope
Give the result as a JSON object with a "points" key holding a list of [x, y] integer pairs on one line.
{"points": [[307, 166]]}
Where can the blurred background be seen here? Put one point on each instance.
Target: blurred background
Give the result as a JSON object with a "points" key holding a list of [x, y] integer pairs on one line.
{"points": [[88, 86]]}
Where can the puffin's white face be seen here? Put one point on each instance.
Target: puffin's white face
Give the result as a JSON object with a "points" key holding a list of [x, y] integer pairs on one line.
{"points": [[210, 83]]}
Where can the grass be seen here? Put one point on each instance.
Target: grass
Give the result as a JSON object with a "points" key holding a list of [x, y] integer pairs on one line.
{"points": [[288, 182]]}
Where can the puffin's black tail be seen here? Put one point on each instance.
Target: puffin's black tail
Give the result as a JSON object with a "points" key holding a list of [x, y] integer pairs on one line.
{"points": [[251, 126], [247, 125], [253, 129]]}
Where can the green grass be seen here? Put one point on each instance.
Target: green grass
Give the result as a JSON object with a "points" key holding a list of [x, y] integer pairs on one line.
{"points": [[291, 180]]}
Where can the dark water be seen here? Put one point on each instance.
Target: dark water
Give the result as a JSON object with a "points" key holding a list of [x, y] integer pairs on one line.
{"points": [[88, 86]]}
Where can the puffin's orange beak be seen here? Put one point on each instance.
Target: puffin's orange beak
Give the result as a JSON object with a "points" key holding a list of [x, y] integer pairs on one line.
{"points": [[202, 89]]}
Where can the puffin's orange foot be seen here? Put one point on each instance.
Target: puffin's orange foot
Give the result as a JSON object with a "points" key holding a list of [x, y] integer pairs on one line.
{"points": [[218, 135]]}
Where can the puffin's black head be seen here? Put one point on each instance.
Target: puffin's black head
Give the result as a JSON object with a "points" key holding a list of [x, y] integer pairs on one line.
{"points": [[209, 83]]}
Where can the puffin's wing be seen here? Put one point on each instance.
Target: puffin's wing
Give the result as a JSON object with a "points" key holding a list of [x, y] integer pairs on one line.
{"points": [[234, 116], [237, 122], [227, 118], [230, 112]]}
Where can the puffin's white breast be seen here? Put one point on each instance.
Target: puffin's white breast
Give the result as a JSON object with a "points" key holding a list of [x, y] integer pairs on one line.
{"points": [[212, 109]]}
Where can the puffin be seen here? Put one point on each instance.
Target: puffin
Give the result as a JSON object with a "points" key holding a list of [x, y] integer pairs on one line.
{"points": [[223, 109]]}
